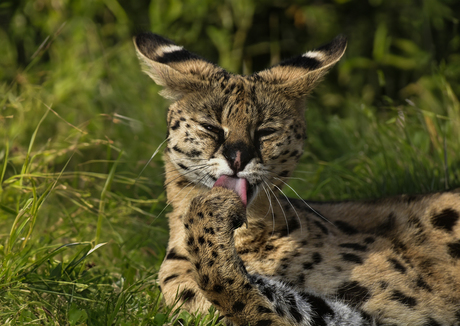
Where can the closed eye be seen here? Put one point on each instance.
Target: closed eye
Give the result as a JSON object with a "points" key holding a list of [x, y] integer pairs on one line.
{"points": [[219, 132], [262, 133]]}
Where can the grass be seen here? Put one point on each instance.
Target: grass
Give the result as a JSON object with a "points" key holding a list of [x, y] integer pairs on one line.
{"points": [[81, 234]]}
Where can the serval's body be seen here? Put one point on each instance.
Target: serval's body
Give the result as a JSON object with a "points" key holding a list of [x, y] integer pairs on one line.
{"points": [[261, 258]]}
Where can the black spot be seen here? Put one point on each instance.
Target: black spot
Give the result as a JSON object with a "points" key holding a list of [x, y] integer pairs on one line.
{"points": [[290, 299], [200, 215], [229, 281], [322, 227], [201, 240], [294, 153], [368, 318], [454, 249], [404, 299], [262, 310], [445, 220], [284, 173], [431, 322], [176, 125], [237, 220], [182, 183], [422, 284], [399, 246], [317, 258], [352, 258], [264, 322], [293, 225], [301, 279], [383, 285], [354, 246], [173, 255], [215, 302], [353, 293], [285, 152], [169, 278], [457, 316], [188, 295], [215, 254], [190, 240], [218, 288], [182, 119], [269, 247], [210, 243], [320, 307], [197, 266], [307, 265], [280, 311], [209, 230], [238, 306], [294, 311], [397, 265], [282, 233], [204, 280], [182, 166], [194, 153], [369, 240], [387, 226], [346, 228], [266, 291], [211, 263], [177, 149]]}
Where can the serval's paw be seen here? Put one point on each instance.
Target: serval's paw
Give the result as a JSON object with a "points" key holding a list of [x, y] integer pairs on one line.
{"points": [[220, 210]]}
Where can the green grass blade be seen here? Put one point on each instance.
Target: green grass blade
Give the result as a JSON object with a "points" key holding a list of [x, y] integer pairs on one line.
{"points": [[4, 164], [106, 189]]}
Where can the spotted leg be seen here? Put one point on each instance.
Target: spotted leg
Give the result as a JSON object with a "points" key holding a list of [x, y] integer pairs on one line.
{"points": [[243, 298]]}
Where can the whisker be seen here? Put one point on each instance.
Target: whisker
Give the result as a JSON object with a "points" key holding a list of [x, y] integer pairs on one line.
{"points": [[311, 208], [270, 208], [170, 201], [150, 160], [282, 210], [295, 211], [201, 167]]}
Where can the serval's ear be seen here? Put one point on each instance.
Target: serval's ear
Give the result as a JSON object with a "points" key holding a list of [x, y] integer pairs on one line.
{"points": [[296, 77], [173, 67]]}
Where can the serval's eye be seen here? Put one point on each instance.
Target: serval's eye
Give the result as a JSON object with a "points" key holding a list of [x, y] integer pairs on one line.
{"points": [[262, 133], [211, 128]]}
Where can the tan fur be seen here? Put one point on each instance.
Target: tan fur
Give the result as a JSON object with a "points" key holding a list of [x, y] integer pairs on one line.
{"points": [[396, 259]]}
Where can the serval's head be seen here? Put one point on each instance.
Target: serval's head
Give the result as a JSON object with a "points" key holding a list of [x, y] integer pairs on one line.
{"points": [[241, 132]]}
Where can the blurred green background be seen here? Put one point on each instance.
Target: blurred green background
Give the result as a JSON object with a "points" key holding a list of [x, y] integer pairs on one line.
{"points": [[79, 122]]}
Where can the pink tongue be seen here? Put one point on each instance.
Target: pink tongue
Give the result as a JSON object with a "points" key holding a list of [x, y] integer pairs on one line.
{"points": [[238, 185]]}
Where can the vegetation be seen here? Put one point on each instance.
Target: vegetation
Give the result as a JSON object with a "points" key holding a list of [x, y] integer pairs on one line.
{"points": [[82, 208]]}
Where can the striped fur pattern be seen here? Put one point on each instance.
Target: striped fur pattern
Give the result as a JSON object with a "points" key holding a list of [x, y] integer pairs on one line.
{"points": [[279, 261]]}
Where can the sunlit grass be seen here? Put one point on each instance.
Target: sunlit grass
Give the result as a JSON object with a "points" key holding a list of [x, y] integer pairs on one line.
{"points": [[81, 234]]}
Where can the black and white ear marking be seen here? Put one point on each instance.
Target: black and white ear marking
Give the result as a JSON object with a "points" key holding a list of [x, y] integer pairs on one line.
{"points": [[299, 75], [162, 50], [171, 66]]}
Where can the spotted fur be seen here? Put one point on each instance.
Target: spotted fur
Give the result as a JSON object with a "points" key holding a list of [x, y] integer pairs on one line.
{"points": [[393, 261]]}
